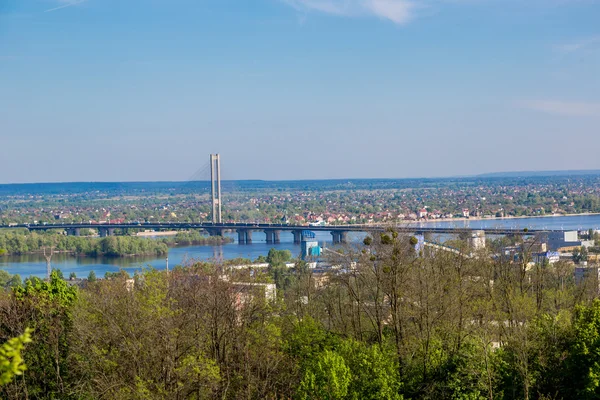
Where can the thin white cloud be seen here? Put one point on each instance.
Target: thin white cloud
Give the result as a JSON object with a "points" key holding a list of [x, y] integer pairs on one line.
{"points": [[397, 11], [65, 4], [335, 7], [581, 44], [403, 11], [564, 108]]}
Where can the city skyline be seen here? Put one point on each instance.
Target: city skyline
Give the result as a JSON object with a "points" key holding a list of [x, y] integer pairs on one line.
{"points": [[101, 90]]}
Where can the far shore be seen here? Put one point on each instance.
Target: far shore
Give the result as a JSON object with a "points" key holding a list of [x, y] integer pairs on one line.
{"points": [[464, 219], [417, 221], [165, 233], [493, 218]]}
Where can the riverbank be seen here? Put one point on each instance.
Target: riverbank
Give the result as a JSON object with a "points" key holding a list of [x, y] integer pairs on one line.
{"points": [[493, 218], [157, 234], [20, 243], [35, 264], [186, 238], [17, 243]]}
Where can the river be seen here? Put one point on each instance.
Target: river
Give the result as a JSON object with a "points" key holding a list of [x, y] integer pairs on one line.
{"points": [[35, 264]]}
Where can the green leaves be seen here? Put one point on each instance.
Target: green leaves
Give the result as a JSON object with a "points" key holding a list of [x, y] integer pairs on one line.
{"points": [[584, 359], [278, 257], [326, 377], [385, 239], [113, 246], [92, 276], [11, 360], [54, 290], [374, 372], [334, 368]]}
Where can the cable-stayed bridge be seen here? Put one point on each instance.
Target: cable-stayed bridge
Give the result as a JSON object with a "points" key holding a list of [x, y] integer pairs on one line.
{"points": [[272, 232]]}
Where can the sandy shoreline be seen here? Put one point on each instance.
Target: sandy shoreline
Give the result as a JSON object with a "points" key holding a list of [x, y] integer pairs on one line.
{"points": [[165, 233]]}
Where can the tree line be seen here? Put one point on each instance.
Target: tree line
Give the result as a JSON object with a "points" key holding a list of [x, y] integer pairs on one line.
{"points": [[385, 321], [17, 243]]}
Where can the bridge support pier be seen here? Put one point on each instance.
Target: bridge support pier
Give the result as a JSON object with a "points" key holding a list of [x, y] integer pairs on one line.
{"points": [[273, 236], [297, 236], [244, 236], [73, 232], [339, 237], [276, 237], [215, 231], [269, 236], [241, 236], [343, 237], [104, 232], [336, 237]]}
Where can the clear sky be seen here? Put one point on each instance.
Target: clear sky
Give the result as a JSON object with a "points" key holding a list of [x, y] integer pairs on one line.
{"points": [[121, 90]]}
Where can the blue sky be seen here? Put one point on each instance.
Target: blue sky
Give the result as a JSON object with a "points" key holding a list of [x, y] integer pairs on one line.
{"points": [[121, 90]]}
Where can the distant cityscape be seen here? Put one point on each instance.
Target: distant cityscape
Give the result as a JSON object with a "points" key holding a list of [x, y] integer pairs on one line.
{"points": [[304, 202]]}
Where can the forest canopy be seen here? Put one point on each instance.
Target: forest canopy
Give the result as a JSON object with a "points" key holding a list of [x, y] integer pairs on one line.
{"points": [[384, 322]]}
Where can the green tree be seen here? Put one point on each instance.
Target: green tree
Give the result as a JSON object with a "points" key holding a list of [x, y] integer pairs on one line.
{"points": [[140, 344], [121, 274], [326, 377], [278, 257], [11, 359], [92, 276], [584, 358], [15, 281], [46, 307], [374, 372], [277, 269], [58, 273], [8, 280], [580, 254]]}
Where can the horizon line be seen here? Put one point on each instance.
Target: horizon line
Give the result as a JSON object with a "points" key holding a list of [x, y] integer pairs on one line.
{"points": [[481, 175]]}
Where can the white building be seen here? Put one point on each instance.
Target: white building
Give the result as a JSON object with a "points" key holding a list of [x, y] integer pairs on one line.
{"points": [[477, 240]]}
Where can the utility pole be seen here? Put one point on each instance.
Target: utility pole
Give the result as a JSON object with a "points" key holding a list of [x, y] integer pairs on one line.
{"points": [[48, 258], [215, 187]]}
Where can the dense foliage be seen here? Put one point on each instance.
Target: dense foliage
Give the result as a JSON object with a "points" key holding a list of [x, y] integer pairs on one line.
{"points": [[11, 360], [385, 322], [21, 243], [18, 242], [195, 238]]}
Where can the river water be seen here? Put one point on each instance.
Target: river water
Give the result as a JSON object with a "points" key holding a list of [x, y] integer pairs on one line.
{"points": [[35, 264]]}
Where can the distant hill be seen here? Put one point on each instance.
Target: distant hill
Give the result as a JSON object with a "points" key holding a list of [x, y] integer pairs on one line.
{"points": [[525, 174], [104, 190]]}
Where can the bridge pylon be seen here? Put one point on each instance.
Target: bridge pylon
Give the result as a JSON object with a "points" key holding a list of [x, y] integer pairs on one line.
{"points": [[215, 187]]}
